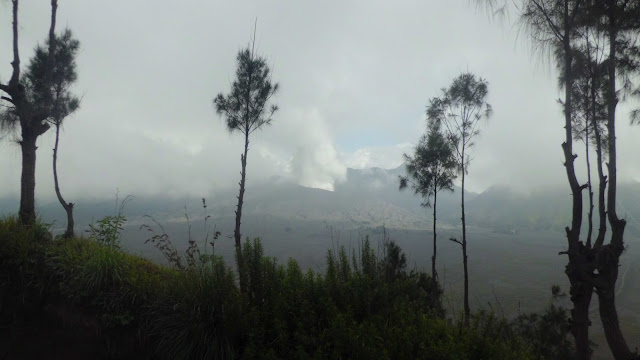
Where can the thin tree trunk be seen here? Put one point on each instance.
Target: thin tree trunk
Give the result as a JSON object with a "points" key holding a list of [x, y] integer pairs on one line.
{"points": [[236, 233], [602, 178], [589, 186], [27, 213], [243, 175], [68, 207], [602, 186], [581, 291], [617, 224], [591, 121], [15, 76], [610, 255], [51, 58], [52, 26], [434, 273], [467, 309]]}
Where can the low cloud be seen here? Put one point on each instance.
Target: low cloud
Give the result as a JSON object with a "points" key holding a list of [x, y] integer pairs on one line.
{"points": [[385, 157]]}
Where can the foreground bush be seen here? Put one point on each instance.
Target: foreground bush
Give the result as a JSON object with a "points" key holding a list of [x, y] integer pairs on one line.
{"points": [[366, 306]]}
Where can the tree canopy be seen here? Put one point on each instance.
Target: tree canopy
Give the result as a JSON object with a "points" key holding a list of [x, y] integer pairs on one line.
{"points": [[245, 107], [432, 166]]}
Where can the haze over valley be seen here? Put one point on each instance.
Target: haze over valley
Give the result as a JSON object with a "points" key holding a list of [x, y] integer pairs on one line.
{"points": [[514, 237]]}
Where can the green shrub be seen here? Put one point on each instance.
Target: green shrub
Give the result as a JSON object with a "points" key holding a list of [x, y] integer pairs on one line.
{"points": [[548, 333], [106, 231]]}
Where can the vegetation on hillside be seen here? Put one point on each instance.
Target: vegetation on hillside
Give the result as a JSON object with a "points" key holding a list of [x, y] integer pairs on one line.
{"points": [[368, 305]]}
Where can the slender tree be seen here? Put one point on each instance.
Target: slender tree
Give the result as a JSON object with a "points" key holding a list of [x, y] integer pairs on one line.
{"points": [[618, 20], [552, 25], [460, 109], [430, 170], [589, 118], [30, 108], [56, 82], [246, 110], [616, 23], [582, 131], [570, 28]]}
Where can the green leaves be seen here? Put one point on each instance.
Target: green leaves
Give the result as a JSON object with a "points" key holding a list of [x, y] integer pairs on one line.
{"points": [[106, 231], [47, 86]]}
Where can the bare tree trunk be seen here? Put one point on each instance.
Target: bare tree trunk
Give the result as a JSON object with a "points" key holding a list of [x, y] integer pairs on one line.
{"points": [[589, 186], [591, 121], [15, 76], [612, 102], [602, 178], [51, 58], [581, 291], [27, 213], [68, 207], [602, 186], [236, 233], [467, 309], [30, 133], [434, 273], [52, 27], [608, 271]]}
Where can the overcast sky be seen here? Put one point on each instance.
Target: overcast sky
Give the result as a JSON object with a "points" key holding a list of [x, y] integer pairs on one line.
{"points": [[355, 77]]}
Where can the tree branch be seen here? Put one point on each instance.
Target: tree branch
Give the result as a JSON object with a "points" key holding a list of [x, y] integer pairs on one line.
{"points": [[7, 99], [554, 27]]}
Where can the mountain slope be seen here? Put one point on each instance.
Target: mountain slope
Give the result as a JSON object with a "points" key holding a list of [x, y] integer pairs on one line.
{"points": [[366, 198]]}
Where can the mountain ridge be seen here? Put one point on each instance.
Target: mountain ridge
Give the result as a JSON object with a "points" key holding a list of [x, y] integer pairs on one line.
{"points": [[366, 198]]}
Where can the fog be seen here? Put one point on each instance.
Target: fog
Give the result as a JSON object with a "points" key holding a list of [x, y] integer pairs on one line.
{"points": [[355, 78]]}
